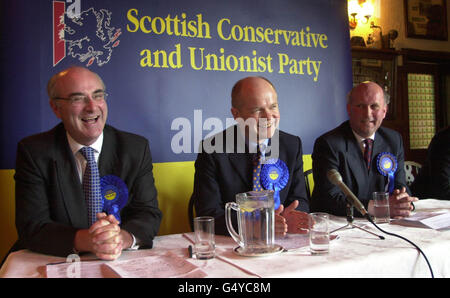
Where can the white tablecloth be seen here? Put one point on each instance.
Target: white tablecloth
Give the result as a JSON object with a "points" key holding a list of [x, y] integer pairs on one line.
{"points": [[354, 254]]}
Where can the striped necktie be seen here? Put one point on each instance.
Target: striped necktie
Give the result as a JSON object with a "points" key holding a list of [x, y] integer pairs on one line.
{"points": [[91, 185], [368, 152], [256, 172]]}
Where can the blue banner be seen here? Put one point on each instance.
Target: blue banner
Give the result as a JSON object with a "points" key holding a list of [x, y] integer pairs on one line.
{"points": [[169, 65]]}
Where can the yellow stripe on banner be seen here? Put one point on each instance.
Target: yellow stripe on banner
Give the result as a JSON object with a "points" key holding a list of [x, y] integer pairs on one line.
{"points": [[307, 164], [173, 180]]}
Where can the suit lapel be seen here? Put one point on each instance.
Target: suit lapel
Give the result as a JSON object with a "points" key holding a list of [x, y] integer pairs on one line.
{"points": [[241, 164], [379, 146], [107, 160], [239, 160], [356, 162], [69, 181]]}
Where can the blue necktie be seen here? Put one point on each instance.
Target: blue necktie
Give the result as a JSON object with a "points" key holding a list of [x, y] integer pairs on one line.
{"points": [[256, 172], [91, 185]]}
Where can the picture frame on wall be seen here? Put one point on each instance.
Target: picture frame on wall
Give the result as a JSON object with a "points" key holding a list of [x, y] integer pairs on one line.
{"points": [[426, 19]]}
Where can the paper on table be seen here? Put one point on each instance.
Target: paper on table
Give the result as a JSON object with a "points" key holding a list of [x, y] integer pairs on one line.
{"points": [[221, 241], [168, 265], [433, 220], [293, 241], [83, 269]]}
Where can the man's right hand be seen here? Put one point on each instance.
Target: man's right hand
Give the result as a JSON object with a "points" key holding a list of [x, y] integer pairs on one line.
{"points": [[102, 238]]}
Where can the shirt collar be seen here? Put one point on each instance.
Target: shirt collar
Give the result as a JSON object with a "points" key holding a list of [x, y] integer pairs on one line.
{"points": [[361, 139], [75, 146], [252, 146]]}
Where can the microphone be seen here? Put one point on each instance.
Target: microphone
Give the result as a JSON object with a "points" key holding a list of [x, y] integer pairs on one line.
{"points": [[335, 178]]}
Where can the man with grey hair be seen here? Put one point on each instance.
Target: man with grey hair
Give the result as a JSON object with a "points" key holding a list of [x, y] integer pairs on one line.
{"points": [[357, 149], [61, 175]]}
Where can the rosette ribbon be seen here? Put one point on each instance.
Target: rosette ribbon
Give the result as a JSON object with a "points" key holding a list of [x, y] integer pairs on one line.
{"points": [[274, 176], [114, 195], [387, 165]]}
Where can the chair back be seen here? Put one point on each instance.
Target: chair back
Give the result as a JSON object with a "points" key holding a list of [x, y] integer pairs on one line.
{"points": [[412, 169], [191, 213]]}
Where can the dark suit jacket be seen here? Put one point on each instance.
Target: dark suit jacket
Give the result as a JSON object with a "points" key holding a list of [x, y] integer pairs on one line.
{"points": [[219, 176], [433, 180], [338, 149], [50, 204]]}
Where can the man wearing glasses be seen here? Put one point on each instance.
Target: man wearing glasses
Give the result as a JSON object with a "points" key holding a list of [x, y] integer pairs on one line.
{"points": [[57, 182]]}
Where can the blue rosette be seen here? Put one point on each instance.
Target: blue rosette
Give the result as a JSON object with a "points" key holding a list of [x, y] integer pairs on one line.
{"points": [[114, 195], [274, 176], [387, 165]]}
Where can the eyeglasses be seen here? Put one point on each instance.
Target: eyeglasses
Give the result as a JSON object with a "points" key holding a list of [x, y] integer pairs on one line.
{"points": [[79, 99]]}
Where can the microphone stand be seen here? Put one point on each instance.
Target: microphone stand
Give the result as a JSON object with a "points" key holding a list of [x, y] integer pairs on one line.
{"points": [[351, 225]]}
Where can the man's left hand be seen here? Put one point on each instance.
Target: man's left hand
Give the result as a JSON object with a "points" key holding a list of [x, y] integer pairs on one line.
{"points": [[297, 221], [400, 203]]}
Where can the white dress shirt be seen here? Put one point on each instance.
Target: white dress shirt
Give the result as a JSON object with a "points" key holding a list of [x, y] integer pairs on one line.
{"points": [[360, 140], [80, 161]]}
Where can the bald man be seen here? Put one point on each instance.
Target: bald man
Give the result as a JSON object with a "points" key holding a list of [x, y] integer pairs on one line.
{"points": [[224, 171], [343, 149], [51, 207]]}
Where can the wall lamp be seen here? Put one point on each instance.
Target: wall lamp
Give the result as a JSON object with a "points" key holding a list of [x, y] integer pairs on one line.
{"points": [[361, 10], [352, 21]]}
